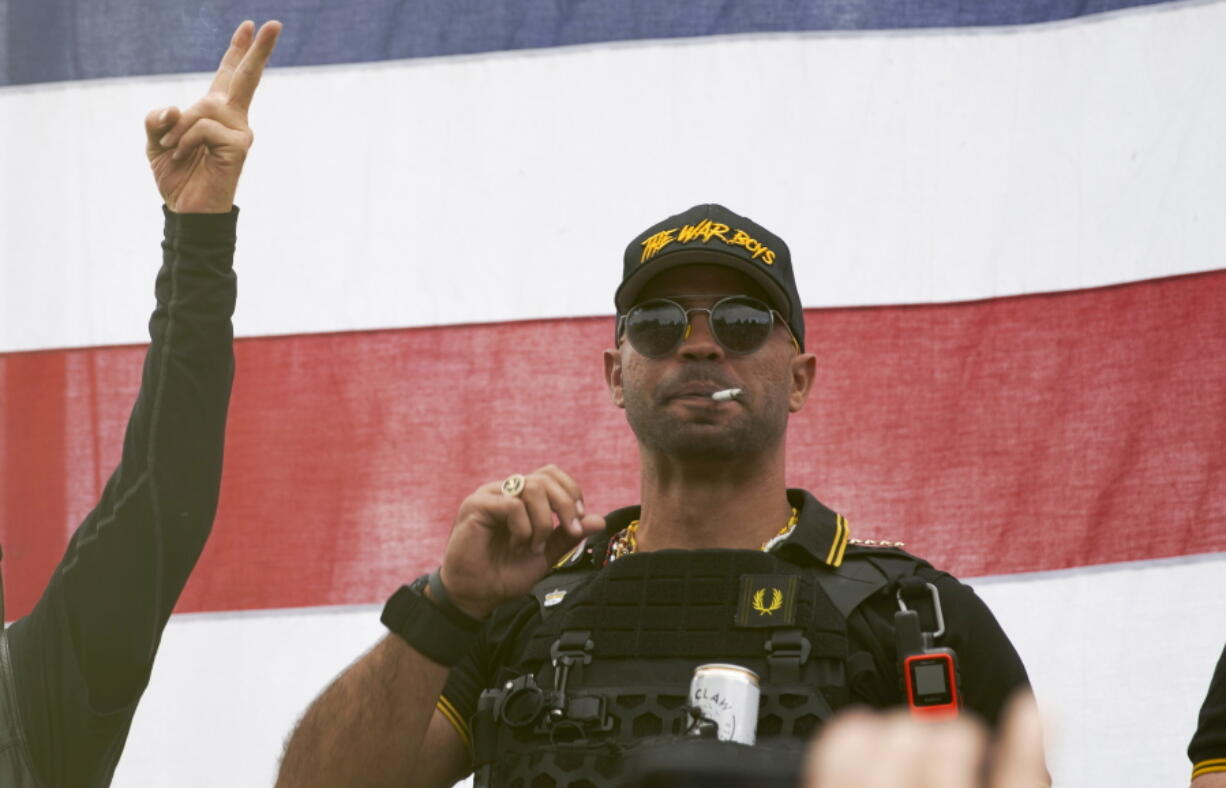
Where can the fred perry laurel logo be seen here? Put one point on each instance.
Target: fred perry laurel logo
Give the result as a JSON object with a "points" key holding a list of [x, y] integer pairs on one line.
{"points": [[554, 597], [759, 601], [767, 601]]}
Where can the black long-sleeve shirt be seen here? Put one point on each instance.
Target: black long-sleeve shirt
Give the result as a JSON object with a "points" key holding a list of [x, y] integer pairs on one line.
{"points": [[82, 657]]}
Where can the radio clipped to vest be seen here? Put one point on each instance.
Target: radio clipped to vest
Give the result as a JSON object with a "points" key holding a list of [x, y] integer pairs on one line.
{"points": [[928, 674]]}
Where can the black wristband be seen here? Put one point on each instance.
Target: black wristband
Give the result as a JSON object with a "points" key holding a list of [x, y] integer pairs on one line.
{"points": [[440, 597], [425, 626]]}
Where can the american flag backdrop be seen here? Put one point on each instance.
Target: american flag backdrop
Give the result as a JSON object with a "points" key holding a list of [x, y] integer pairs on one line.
{"points": [[1008, 222]]}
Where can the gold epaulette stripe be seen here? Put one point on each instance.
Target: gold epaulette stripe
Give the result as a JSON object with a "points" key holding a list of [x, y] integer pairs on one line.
{"points": [[1210, 766], [569, 554], [456, 719], [839, 545], [838, 559]]}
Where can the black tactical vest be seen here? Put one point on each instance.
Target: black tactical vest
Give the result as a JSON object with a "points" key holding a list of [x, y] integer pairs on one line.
{"points": [[608, 667]]}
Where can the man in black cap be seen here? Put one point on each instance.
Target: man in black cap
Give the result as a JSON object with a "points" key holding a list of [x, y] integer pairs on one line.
{"points": [[552, 643]]}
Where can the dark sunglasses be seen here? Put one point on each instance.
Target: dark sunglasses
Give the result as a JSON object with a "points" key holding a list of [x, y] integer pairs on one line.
{"points": [[740, 325]]}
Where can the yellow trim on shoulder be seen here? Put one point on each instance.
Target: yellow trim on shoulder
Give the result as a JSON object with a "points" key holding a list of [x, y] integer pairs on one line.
{"points": [[569, 554], [839, 545], [456, 719], [1211, 766], [838, 559]]}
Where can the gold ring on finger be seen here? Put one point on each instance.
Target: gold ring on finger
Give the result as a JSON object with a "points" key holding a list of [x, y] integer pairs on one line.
{"points": [[514, 485]]}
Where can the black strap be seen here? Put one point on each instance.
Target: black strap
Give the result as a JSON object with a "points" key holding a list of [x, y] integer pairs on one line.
{"points": [[569, 653], [918, 597], [787, 651], [863, 575], [426, 627], [438, 592], [484, 729]]}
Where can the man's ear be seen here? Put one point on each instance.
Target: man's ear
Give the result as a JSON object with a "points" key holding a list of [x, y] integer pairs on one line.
{"points": [[613, 376], [804, 372]]}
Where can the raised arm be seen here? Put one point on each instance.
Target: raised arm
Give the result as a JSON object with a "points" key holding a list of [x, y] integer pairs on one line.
{"points": [[377, 723], [82, 657]]}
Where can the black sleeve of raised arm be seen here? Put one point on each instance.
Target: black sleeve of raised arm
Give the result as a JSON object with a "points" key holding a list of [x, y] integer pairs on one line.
{"points": [[82, 657], [1208, 747]]}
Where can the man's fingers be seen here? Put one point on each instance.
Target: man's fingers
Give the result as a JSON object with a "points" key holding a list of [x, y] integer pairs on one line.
{"points": [[247, 75], [515, 516], [553, 514], [862, 750], [240, 42], [234, 75], [212, 107], [207, 131], [953, 752], [564, 504], [535, 499], [1018, 760], [838, 757], [567, 483], [157, 123], [562, 540], [592, 523]]}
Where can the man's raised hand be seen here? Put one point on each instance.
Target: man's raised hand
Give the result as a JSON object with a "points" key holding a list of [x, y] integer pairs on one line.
{"points": [[502, 544], [197, 155]]}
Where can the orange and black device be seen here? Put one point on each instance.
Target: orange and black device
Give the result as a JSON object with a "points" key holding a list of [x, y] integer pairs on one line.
{"points": [[931, 680], [929, 674]]}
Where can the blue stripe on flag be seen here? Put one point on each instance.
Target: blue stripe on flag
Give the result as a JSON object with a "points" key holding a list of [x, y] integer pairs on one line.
{"points": [[55, 40]]}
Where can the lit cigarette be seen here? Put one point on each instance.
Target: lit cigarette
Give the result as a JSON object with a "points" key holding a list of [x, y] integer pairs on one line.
{"points": [[726, 395]]}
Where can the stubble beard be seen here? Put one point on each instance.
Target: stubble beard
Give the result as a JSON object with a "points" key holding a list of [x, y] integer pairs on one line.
{"points": [[753, 431]]}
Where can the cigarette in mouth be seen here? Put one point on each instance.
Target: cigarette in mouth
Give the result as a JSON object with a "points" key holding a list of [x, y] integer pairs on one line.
{"points": [[726, 395]]}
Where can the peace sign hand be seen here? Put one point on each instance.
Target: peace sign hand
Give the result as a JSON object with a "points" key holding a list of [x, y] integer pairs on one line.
{"points": [[197, 155]]}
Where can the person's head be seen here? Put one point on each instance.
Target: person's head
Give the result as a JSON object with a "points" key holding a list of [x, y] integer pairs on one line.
{"points": [[708, 302]]}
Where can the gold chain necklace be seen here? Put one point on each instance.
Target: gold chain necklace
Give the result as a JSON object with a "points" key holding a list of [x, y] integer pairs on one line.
{"points": [[624, 543]]}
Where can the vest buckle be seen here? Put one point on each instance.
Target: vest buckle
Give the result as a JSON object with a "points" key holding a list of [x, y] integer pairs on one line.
{"points": [[786, 651], [572, 649]]}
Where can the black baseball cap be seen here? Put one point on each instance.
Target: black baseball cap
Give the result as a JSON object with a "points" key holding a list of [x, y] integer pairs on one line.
{"points": [[713, 235]]}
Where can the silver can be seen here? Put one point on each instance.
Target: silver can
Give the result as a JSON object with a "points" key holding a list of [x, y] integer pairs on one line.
{"points": [[727, 695]]}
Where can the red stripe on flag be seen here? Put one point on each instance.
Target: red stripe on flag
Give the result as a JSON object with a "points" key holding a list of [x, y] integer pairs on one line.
{"points": [[1009, 435], [34, 455]]}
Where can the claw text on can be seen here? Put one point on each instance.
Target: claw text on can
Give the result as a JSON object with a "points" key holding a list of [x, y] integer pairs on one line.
{"points": [[727, 695]]}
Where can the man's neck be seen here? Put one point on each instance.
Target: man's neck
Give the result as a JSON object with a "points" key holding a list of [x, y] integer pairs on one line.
{"points": [[734, 505]]}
